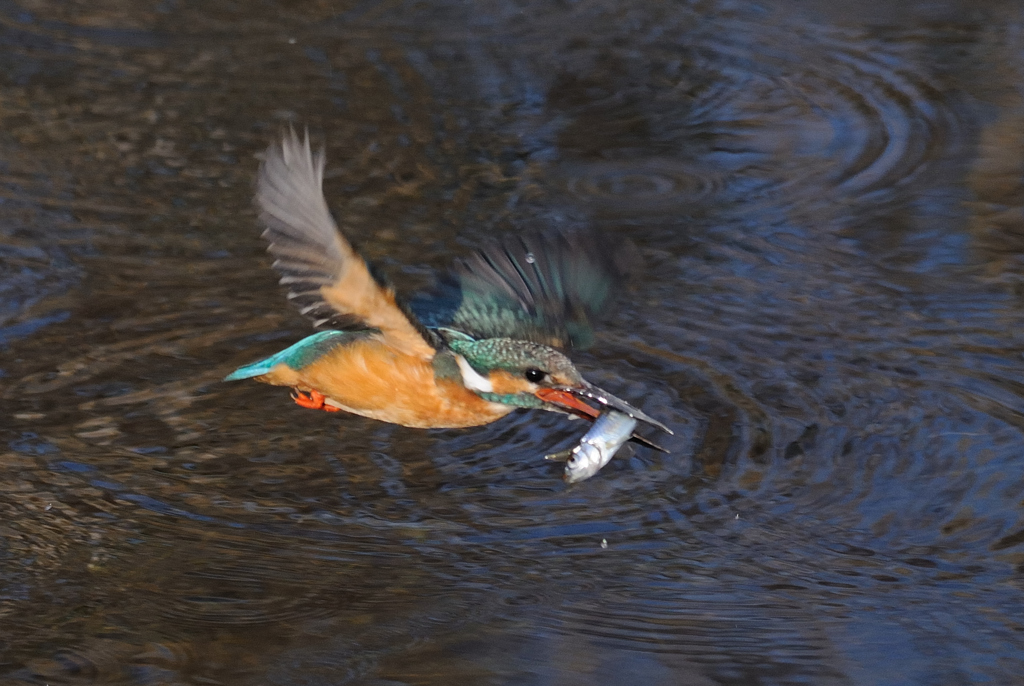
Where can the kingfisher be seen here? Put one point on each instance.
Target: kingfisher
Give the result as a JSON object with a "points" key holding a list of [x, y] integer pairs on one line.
{"points": [[491, 339]]}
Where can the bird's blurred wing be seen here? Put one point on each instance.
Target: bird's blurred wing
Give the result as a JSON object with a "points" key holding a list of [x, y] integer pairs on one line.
{"points": [[326, 278], [543, 287]]}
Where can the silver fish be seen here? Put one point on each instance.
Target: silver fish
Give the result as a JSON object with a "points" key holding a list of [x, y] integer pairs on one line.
{"points": [[597, 447]]}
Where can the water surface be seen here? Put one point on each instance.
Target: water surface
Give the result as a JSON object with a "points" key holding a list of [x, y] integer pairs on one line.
{"points": [[830, 204]]}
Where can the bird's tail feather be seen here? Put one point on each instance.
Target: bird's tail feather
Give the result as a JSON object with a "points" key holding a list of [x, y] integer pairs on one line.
{"points": [[297, 356]]}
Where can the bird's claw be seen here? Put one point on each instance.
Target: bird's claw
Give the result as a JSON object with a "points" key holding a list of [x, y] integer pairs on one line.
{"points": [[312, 400]]}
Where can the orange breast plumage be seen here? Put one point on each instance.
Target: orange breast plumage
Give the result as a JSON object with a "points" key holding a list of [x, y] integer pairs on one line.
{"points": [[368, 378]]}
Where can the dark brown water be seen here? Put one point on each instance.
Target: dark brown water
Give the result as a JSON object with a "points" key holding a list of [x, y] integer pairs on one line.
{"points": [[830, 201]]}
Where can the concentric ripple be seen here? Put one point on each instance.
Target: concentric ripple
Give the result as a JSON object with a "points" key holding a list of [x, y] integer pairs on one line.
{"points": [[747, 110], [649, 185]]}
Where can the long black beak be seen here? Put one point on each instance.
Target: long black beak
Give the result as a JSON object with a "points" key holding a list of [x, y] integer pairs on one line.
{"points": [[567, 399], [589, 390], [602, 397]]}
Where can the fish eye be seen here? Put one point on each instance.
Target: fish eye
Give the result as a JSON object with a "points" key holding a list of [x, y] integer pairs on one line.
{"points": [[534, 375]]}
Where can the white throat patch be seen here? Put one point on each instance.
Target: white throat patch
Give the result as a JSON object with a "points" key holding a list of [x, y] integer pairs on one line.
{"points": [[471, 378]]}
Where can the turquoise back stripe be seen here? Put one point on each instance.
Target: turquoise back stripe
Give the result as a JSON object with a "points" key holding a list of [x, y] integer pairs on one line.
{"points": [[305, 352]]}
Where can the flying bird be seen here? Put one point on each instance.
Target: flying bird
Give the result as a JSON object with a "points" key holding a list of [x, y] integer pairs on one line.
{"points": [[491, 339]]}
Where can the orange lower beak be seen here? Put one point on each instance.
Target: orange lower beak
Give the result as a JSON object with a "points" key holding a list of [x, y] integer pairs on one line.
{"points": [[567, 401]]}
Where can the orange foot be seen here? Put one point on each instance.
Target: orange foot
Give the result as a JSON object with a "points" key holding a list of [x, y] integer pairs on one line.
{"points": [[313, 400]]}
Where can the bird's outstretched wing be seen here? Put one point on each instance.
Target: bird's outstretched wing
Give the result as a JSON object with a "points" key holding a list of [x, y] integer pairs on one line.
{"points": [[326, 278], [542, 287]]}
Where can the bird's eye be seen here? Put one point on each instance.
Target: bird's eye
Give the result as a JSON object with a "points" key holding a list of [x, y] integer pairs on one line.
{"points": [[534, 375]]}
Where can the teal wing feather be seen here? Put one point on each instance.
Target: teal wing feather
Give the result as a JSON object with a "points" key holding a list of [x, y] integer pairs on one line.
{"points": [[305, 352], [543, 287]]}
